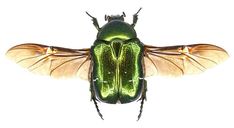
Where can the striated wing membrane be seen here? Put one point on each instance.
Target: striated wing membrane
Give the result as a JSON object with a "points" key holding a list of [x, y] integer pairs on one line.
{"points": [[49, 60], [181, 59]]}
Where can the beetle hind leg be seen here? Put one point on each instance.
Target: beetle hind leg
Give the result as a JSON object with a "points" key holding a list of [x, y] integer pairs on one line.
{"points": [[96, 105], [143, 98], [94, 99]]}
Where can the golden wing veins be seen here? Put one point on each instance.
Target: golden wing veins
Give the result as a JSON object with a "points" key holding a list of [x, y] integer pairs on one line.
{"points": [[182, 59], [55, 61]]}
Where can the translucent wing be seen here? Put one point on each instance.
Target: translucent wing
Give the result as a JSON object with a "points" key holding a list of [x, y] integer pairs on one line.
{"points": [[181, 59], [55, 61]]}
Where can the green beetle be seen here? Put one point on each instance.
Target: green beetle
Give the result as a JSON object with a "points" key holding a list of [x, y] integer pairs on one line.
{"points": [[118, 62]]}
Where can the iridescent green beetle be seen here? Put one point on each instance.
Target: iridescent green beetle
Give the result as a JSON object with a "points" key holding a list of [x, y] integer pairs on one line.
{"points": [[118, 62]]}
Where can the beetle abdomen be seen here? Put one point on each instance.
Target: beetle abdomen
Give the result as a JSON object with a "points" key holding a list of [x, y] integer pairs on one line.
{"points": [[117, 71]]}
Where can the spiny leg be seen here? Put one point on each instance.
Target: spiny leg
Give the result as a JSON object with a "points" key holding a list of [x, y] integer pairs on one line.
{"points": [[141, 109], [96, 105], [143, 98], [135, 18], [95, 22], [93, 97]]}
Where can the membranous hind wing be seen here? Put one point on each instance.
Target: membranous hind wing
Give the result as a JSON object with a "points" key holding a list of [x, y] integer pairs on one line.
{"points": [[55, 61], [181, 59]]}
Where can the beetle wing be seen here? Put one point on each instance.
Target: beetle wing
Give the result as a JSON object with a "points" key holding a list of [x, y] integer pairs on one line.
{"points": [[55, 61], [182, 59]]}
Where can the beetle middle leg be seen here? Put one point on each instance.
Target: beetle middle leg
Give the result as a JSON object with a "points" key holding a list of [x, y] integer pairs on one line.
{"points": [[143, 98], [95, 22]]}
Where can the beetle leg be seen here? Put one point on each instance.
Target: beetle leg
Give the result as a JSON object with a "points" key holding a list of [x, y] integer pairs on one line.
{"points": [[95, 22], [96, 105], [93, 97], [135, 18], [143, 97]]}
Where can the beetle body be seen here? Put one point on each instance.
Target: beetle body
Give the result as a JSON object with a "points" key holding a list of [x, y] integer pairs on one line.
{"points": [[117, 63]]}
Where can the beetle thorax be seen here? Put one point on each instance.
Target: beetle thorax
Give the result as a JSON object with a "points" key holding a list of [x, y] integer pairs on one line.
{"points": [[116, 29]]}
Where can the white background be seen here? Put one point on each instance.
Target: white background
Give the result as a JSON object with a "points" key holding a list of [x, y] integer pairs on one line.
{"points": [[31, 101]]}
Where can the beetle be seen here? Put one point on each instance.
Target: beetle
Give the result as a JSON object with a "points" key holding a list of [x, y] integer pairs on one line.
{"points": [[117, 63]]}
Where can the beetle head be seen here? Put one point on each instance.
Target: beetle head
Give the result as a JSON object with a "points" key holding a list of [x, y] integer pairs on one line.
{"points": [[115, 17]]}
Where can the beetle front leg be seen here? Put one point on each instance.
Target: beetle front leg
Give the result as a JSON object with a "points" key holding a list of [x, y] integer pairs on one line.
{"points": [[95, 22], [135, 18], [143, 98]]}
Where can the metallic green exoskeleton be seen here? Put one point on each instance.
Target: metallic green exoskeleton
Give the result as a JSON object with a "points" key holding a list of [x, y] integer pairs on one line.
{"points": [[118, 62], [117, 57]]}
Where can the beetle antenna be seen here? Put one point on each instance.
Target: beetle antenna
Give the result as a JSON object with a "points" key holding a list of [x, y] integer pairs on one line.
{"points": [[106, 17], [124, 14]]}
